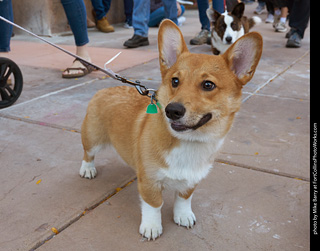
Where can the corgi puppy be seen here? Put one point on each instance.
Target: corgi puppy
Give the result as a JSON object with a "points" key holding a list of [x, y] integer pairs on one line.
{"points": [[173, 148], [228, 27]]}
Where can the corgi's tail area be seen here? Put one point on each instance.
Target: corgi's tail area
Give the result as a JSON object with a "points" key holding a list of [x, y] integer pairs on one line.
{"points": [[254, 21]]}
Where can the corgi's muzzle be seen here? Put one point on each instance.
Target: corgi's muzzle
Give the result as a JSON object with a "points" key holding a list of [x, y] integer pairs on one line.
{"points": [[176, 111]]}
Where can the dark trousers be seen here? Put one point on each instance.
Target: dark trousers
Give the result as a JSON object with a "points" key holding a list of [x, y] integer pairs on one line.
{"points": [[299, 15]]}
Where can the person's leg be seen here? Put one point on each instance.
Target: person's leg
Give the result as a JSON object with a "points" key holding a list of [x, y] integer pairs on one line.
{"points": [[5, 28], [99, 9], [203, 5], [281, 25], [260, 7], [128, 9], [171, 11], [140, 17], [270, 9], [106, 4], [298, 22], [77, 17], [140, 20], [156, 17], [202, 36], [218, 5], [299, 16]]}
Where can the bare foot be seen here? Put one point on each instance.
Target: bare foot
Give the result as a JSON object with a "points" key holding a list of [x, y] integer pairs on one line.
{"points": [[77, 69]]}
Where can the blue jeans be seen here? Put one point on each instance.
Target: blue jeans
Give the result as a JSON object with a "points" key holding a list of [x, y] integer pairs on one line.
{"points": [[77, 17], [203, 5], [76, 14], [158, 15], [101, 7], [141, 15], [5, 28], [128, 9]]}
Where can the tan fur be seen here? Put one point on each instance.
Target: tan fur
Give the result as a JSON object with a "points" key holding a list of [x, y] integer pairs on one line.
{"points": [[118, 116]]}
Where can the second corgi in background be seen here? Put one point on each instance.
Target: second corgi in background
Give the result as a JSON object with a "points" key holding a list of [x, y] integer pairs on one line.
{"points": [[228, 27]]}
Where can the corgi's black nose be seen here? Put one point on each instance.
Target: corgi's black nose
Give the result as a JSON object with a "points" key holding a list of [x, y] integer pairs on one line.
{"points": [[229, 39], [175, 111]]}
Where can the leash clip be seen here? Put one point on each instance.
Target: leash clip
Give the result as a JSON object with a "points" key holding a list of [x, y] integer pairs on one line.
{"points": [[141, 89]]}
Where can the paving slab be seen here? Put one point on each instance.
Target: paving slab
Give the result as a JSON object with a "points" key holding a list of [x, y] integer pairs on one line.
{"points": [[294, 83], [271, 134], [229, 210], [38, 81], [40, 183]]}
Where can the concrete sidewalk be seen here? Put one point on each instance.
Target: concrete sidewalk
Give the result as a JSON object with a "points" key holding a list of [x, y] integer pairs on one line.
{"points": [[255, 198]]}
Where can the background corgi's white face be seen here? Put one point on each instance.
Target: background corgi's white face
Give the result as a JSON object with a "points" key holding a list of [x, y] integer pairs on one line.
{"points": [[233, 29]]}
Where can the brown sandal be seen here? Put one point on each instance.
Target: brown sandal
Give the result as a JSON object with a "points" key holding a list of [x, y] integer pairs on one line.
{"points": [[86, 69]]}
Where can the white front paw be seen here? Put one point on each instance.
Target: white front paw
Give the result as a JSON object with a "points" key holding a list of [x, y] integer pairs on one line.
{"points": [[150, 226], [185, 218], [151, 230], [182, 212], [87, 170]]}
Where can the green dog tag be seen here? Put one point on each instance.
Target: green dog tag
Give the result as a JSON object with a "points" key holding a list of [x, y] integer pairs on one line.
{"points": [[158, 104], [152, 109]]}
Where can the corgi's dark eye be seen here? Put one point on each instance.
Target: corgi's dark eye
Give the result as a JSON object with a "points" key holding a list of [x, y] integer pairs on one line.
{"points": [[175, 82], [208, 85], [234, 26]]}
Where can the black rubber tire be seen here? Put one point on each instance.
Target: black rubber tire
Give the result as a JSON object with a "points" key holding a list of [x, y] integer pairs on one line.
{"points": [[9, 92]]}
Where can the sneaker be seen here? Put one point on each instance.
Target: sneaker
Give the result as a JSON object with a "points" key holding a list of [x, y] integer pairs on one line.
{"points": [[276, 20], [260, 8], [270, 19], [290, 33], [128, 24], [104, 26], [136, 41], [200, 38], [280, 27], [294, 41], [181, 20]]}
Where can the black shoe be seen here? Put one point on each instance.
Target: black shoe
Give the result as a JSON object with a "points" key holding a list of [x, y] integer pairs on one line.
{"points": [[289, 34], [136, 41], [294, 41]]}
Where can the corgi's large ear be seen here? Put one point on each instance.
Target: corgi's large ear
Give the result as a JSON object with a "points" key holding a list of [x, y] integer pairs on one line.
{"points": [[212, 15], [243, 56], [171, 44], [238, 10]]}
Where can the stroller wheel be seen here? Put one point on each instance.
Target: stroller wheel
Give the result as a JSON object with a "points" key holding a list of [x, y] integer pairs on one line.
{"points": [[10, 88]]}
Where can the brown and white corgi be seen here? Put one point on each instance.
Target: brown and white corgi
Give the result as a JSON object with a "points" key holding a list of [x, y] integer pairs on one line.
{"points": [[174, 148], [227, 27]]}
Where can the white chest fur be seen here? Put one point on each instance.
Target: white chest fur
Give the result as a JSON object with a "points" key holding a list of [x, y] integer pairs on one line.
{"points": [[188, 163]]}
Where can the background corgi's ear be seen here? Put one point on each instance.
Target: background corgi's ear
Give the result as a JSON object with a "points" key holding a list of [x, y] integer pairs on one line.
{"points": [[238, 10], [213, 15], [243, 56], [171, 44]]}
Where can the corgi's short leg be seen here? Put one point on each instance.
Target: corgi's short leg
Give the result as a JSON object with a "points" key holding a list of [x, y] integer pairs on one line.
{"points": [[87, 169], [151, 226], [182, 212], [151, 204], [93, 141]]}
